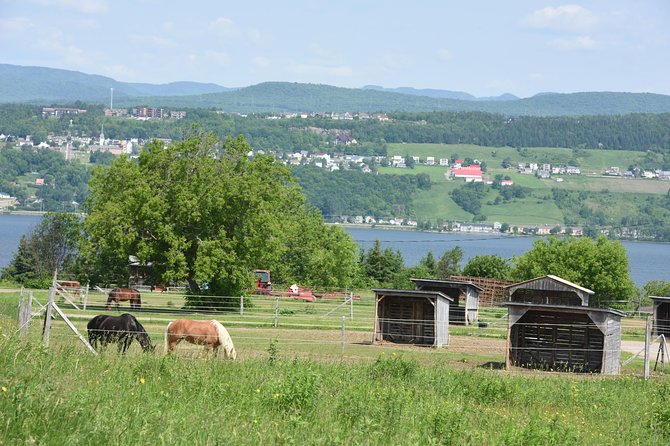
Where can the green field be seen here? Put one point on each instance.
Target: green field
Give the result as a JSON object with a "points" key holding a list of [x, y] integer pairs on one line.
{"points": [[294, 385], [615, 196]]}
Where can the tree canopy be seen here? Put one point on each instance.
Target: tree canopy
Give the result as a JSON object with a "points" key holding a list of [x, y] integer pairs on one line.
{"points": [[201, 211], [492, 266], [600, 265]]}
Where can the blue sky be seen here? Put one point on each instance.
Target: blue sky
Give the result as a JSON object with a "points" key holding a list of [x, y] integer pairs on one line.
{"points": [[484, 48]]}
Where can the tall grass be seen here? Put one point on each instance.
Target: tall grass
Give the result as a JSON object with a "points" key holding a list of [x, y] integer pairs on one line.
{"points": [[63, 396]]}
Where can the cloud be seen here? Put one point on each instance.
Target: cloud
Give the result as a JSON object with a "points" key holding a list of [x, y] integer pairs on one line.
{"points": [[152, 39], [444, 54], [223, 26], [85, 6], [574, 43], [573, 18], [321, 70], [261, 62], [59, 50], [218, 57], [16, 24]]}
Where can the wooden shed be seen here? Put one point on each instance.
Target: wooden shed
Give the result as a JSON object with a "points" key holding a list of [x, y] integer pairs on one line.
{"points": [[551, 326], [411, 317], [465, 306], [661, 315]]}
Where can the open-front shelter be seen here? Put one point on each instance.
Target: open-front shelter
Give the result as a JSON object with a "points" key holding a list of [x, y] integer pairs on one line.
{"points": [[465, 306], [411, 317], [551, 327], [661, 315]]}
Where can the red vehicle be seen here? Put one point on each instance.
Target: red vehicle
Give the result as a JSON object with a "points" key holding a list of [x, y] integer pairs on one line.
{"points": [[263, 284]]}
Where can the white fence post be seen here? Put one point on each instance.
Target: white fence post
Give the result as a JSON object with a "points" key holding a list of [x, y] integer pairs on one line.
{"points": [[86, 296], [241, 305], [647, 347], [343, 319], [47, 316], [276, 312], [351, 305]]}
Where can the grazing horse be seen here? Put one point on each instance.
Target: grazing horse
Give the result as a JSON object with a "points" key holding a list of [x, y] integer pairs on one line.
{"points": [[211, 334], [123, 294], [121, 330]]}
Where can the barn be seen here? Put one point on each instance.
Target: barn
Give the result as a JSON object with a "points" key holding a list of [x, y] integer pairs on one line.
{"points": [[551, 327], [661, 315], [465, 306], [411, 317]]}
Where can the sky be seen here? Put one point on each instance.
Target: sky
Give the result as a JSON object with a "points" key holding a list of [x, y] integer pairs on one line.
{"points": [[485, 48]]}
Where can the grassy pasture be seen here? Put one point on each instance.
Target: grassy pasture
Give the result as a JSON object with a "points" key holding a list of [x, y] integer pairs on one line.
{"points": [[294, 385], [622, 194]]}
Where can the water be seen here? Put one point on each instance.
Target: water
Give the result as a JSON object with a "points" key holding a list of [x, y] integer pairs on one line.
{"points": [[12, 227], [648, 261]]}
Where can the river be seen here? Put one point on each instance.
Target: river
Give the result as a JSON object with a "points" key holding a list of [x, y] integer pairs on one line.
{"points": [[648, 261]]}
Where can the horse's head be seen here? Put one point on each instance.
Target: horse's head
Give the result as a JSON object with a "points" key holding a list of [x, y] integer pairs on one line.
{"points": [[231, 353]]}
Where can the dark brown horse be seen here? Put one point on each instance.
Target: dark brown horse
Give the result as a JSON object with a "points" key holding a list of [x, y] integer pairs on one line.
{"points": [[121, 330], [123, 294]]}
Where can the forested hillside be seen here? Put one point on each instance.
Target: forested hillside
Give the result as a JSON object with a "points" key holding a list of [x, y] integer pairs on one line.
{"points": [[44, 86], [638, 131]]}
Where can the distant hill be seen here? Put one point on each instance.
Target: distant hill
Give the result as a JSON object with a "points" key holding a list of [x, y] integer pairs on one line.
{"points": [[45, 86], [445, 94]]}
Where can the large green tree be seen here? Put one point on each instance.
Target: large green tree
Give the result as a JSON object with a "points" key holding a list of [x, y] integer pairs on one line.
{"points": [[201, 211], [600, 265], [449, 263], [492, 266]]}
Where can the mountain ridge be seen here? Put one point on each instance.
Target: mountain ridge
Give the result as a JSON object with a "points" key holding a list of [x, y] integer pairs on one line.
{"points": [[46, 86]]}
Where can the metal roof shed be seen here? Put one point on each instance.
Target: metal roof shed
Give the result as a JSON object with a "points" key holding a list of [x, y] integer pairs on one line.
{"points": [[661, 315], [411, 317], [465, 314], [551, 326]]}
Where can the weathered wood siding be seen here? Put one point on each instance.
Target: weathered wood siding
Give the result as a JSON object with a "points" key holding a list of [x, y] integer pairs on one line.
{"points": [[406, 320], [442, 322], [662, 318]]}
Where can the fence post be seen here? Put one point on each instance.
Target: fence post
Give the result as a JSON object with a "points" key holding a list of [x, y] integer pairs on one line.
{"points": [[22, 313], [351, 305], [647, 347], [241, 305], [86, 296], [47, 316], [343, 319], [276, 311]]}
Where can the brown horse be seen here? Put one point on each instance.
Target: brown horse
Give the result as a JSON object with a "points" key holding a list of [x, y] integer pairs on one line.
{"points": [[211, 334], [123, 294]]}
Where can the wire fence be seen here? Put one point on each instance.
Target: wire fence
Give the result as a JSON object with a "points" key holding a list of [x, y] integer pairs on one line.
{"points": [[334, 329]]}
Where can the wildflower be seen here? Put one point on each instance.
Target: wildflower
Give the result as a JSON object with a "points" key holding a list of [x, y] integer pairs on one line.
{"points": [[258, 390], [4, 389], [141, 380]]}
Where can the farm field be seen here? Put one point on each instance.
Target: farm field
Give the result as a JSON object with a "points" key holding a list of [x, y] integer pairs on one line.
{"points": [[294, 384], [617, 197]]}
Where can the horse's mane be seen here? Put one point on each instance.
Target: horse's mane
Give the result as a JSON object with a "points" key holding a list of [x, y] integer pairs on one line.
{"points": [[224, 339]]}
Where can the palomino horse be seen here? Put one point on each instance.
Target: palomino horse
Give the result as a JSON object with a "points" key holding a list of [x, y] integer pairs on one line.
{"points": [[123, 294], [211, 334], [105, 329]]}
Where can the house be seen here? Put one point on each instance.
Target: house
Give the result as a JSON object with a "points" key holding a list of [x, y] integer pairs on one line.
{"points": [[551, 326], [457, 164], [464, 307], [430, 160], [573, 170], [444, 161], [471, 173], [39, 181], [506, 182], [411, 317]]}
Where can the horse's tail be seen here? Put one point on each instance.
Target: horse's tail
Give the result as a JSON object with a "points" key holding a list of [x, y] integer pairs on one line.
{"points": [[139, 299], [225, 341], [167, 330]]}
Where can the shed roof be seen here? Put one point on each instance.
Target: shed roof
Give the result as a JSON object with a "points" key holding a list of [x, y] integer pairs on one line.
{"points": [[567, 283], [566, 308], [411, 293], [660, 298], [447, 283]]}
